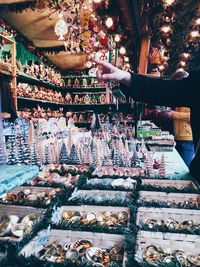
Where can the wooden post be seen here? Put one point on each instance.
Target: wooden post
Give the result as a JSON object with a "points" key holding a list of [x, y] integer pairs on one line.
{"points": [[144, 52], [11, 42]]}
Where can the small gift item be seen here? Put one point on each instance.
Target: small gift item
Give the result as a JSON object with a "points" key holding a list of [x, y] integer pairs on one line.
{"points": [[76, 83], [84, 82], [81, 118], [68, 98], [86, 99], [92, 83], [75, 118], [69, 83], [102, 99], [76, 99]]}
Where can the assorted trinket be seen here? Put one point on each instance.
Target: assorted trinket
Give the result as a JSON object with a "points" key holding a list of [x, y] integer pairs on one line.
{"points": [[128, 184], [12, 226], [118, 171], [41, 72], [81, 251], [153, 254], [44, 196], [173, 224], [189, 202], [105, 218]]}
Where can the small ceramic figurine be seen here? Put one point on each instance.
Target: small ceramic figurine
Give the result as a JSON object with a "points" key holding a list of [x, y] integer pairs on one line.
{"points": [[81, 118], [102, 99], [76, 83], [76, 99], [69, 83], [86, 99], [68, 98], [84, 82], [92, 83]]}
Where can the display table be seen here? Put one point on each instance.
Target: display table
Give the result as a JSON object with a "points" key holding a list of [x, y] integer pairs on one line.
{"points": [[14, 176], [176, 167]]}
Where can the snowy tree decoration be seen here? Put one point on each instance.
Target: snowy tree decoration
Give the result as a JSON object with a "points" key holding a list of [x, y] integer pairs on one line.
{"points": [[12, 153], [135, 161], [64, 156], [73, 157], [162, 168]]}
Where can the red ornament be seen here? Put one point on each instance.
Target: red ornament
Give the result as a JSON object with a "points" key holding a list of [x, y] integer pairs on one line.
{"points": [[104, 41]]}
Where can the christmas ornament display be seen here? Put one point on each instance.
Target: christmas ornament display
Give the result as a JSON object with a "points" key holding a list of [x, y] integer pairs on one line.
{"points": [[153, 254], [105, 218], [30, 194]]}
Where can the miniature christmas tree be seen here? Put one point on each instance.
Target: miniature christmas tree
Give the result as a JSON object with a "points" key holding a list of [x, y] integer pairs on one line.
{"points": [[73, 157], [12, 154], [64, 156], [135, 161], [117, 159], [95, 125], [162, 168], [46, 156], [2, 147], [23, 151], [35, 160], [149, 166]]}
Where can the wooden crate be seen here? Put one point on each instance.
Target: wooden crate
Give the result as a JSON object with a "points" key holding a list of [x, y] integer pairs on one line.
{"points": [[110, 171], [165, 214], [101, 240], [21, 212], [150, 196], [190, 244], [179, 184], [94, 209], [34, 190], [107, 194]]}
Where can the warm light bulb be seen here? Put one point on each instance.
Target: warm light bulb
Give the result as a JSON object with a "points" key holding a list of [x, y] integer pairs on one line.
{"points": [[161, 67], [194, 34], [109, 22], [117, 38], [180, 69], [186, 55], [197, 22], [182, 63], [126, 59], [168, 2], [122, 50], [166, 29]]}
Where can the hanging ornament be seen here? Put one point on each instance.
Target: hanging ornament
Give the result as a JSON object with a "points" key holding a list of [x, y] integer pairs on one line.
{"points": [[61, 27]]}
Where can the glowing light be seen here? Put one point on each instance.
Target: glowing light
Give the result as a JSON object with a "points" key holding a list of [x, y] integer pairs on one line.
{"points": [[166, 29], [197, 22], [168, 2], [117, 38], [180, 69], [122, 50], [97, 1], [194, 34], [182, 63], [186, 55], [109, 22], [161, 67], [126, 59]]}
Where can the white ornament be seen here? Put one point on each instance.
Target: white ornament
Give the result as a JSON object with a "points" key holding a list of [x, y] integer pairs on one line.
{"points": [[61, 27]]}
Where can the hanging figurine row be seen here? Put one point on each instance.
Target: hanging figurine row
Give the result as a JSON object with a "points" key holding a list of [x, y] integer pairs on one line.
{"points": [[41, 93]]}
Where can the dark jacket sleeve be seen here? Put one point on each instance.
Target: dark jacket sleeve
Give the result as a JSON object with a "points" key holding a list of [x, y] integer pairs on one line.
{"points": [[164, 92]]}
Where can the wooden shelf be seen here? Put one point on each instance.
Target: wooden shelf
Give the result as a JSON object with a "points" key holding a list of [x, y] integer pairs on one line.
{"points": [[33, 81]]}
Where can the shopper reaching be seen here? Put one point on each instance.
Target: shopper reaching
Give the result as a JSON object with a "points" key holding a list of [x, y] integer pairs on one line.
{"points": [[179, 93]]}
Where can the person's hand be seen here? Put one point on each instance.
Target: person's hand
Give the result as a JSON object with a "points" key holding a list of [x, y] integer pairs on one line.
{"points": [[107, 72]]}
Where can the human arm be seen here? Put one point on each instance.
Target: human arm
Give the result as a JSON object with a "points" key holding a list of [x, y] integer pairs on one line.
{"points": [[183, 116], [152, 90]]}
